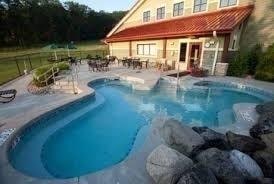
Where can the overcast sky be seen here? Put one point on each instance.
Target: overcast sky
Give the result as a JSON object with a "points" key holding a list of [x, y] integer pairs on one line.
{"points": [[107, 5]]}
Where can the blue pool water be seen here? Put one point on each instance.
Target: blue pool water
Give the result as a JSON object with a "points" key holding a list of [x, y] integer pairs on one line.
{"points": [[101, 131]]}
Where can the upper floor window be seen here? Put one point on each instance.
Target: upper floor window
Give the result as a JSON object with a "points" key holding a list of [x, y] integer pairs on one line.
{"points": [[146, 16], [161, 13], [225, 3], [200, 5], [178, 9]]}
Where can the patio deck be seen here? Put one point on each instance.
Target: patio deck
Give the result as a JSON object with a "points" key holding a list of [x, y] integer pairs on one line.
{"points": [[27, 107]]}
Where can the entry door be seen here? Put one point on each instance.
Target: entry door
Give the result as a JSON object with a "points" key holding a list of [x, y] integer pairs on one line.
{"points": [[195, 51]]}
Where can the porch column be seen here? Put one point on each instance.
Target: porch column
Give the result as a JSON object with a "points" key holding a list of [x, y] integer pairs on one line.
{"points": [[226, 46], [164, 47], [130, 48]]}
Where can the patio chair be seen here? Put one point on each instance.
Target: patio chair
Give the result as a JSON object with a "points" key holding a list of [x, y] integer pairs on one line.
{"points": [[7, 96], [136, 63], [92, 65]]}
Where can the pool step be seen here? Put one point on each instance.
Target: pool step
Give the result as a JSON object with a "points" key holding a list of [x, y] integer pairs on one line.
{"points": [[64, 86]]}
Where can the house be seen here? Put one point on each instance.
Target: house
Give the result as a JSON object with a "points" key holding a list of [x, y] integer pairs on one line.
{"points": [[188, 33]]}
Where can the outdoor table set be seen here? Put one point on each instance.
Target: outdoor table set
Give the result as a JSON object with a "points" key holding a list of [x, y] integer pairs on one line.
{"points": [[98, 65], [134, 62]]}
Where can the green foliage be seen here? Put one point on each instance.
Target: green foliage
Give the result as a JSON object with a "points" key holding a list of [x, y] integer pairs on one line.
{"points": [[40, 75], [253, 58], [254, 62], [62, 66], [239, 66], [265, 68], [27, 22]]}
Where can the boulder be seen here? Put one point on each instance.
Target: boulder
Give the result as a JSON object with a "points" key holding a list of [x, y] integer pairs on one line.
{"points": [[269, 141], [265, 125], [219, 162], [265, 108], [181, 137], [260, 181], [165, 164], [245, 165], [244, 144], [266, 161], [198, 174], [212, 138]]}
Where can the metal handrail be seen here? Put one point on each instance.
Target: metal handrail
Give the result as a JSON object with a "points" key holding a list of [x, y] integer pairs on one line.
{"points": [[53, 73]]}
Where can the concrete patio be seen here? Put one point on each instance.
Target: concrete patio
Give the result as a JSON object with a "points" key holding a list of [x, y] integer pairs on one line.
{"points": [[27, 107]]}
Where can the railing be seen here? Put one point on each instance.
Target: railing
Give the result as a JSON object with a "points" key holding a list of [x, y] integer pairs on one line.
{"points": [[50, 74], [16, 66]]}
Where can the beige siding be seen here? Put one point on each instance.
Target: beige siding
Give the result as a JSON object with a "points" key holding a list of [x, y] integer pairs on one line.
{"points": [[152, 5], [119, 49], [159, 46], [260, 25]]}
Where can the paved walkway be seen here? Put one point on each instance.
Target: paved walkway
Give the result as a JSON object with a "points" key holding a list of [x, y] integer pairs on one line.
{"points": [[26, 107]]}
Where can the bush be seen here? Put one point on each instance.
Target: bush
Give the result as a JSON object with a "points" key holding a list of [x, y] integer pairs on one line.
{"points": [[62, 66], [43, 69], [265, 76], [265, 68], [238, 67], [253, 58]]}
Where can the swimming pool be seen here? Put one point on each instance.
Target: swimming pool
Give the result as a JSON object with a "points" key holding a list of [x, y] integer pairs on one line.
{"points": [[99, 132]]}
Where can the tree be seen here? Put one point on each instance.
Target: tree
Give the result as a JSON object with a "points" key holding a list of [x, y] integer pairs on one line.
{"points": [[26, 22]]}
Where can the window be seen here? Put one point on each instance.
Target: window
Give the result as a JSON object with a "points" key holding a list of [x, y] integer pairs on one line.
{"points": [[233, 44], [146, 49], [183, 48], [178, 9], [146, 16], [226, 3], [161, 13], [199, 5]]}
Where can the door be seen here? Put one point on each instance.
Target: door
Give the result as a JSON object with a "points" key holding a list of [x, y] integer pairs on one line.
{"points": [[195, 52]]}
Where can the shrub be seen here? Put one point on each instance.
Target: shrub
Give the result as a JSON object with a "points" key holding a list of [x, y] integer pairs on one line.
{"points": [[238, 67], [43, 69], [265, 76], [62, 66], [253, 58], [265, 68]]}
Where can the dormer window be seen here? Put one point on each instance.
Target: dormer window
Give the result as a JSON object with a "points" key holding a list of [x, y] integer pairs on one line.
{"points": [[146, 16], [161, 13], [199, 5], [226, 3], [178, 9]]}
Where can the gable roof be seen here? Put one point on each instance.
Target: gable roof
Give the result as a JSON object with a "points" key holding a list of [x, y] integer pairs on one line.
{"points": [[137, 4], [222, 21]]}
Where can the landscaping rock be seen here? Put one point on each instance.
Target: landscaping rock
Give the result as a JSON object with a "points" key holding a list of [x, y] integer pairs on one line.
{"points": [[181, 137], [198, 174], [245, 165], [269, 141], [260, 181], [219, 162], [265, 125], [266, 161], [212, 138], [265, 108], [244, 144], [165, 165]]}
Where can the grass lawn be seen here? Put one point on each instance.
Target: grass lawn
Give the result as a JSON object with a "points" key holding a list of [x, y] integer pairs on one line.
{"points": [[81, 46], [34, 57]]}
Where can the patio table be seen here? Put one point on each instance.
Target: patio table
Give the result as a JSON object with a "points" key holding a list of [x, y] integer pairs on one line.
{"points": [[144, 61]]}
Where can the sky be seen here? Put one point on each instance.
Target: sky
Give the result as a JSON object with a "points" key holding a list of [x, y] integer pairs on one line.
{"points": [[106, 5]]}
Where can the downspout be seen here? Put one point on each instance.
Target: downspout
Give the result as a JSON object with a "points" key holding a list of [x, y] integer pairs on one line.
{"points": [[216, 52]]}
